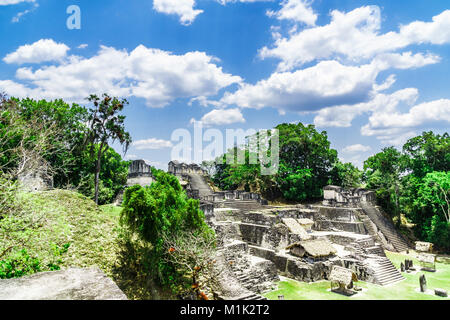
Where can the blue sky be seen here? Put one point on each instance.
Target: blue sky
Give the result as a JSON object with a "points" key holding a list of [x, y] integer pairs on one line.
{"points": [[371, 74]]}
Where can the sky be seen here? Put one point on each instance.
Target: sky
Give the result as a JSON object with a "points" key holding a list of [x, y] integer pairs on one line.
{"points": [[370, 74]]}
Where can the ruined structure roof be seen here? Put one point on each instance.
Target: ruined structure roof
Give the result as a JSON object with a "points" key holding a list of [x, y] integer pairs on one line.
{"points": [[332, 188], [342, 275], [315, 248], [305, 221]]}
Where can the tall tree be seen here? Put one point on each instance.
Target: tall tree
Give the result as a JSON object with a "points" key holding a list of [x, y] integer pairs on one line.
{"points": [[105, 125], [384, 172]]}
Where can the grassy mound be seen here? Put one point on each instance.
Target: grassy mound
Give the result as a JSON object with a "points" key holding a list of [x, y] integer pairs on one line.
{"points": [[60, 229]]}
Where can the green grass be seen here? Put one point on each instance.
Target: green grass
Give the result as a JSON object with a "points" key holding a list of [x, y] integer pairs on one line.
{"points": [[56, 218], [404, 290], [52, 220]]}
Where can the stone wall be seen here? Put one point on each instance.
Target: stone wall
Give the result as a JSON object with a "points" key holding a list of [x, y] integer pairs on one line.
{"points": [[139, 173], [178, 168], [334, 195]]}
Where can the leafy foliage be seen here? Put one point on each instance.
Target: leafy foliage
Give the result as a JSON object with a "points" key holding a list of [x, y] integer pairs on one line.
{"points": [[159, 212], [18, 265], [105, 126], [415, 182], [306, 166], [346, 175], [55, 133]]}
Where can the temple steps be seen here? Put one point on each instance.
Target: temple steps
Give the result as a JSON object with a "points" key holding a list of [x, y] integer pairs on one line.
{"points": [[384, 271], [252, 297], [385, 226], [245, 205], [198, 182]]}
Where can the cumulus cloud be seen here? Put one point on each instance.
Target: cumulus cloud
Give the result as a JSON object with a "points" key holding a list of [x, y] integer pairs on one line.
{"points": [[144, 73], [386, 122], [222, 117], [354, 36], [183, 8], [152, 144], [405, 60], [356, 148], [40, 51], [326, 84], [295, 10], [394, 127], [343, 115], [9, 2], [224, 2]]}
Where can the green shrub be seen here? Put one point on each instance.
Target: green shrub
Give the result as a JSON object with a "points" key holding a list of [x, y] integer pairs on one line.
{"points": [[156, 214], [18, 265]]}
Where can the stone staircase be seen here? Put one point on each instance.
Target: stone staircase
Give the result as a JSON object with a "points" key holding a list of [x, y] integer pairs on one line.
{"points": [[385, 226], [244, 205], [251, 297], [198, 182], [385, 272], [373, 256]]}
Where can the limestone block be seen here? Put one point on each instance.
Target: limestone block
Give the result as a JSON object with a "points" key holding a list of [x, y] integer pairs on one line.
{"points": [[70, 284]]}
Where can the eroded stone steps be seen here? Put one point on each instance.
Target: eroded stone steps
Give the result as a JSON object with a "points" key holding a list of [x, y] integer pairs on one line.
{"points": [[244, 205], [252, 297], [385, 272], [385, 226]]}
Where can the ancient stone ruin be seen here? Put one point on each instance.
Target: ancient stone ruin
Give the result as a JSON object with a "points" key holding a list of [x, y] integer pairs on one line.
{"points": [[258, 242], [178, 168], [36, 177], [139, 173]]}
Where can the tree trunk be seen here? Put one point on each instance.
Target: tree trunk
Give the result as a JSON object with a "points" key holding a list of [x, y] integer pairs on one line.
{"points": [[97, 172], [397, 205]]}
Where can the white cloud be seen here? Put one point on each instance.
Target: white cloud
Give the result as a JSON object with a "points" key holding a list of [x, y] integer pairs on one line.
{"points": [[144, 73], [224, 2], [40, 51], [343, 115], [394, 127], [356, 148], [385, 121], [21, 14], [406, 60], [222, 117], [131, 157], [8, 2], [354, 36], [152, 144], [326, 84], [295, 10], [83, 46], [183, 8]]}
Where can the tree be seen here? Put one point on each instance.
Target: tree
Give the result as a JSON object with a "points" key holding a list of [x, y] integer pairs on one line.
{"points": [[162, 215], [106, 125], [432, 208], [112, 178], [209, 166], [303, 147], [435, 192], [346, 175], [305, 167], [383, 172], [427, 153]]}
